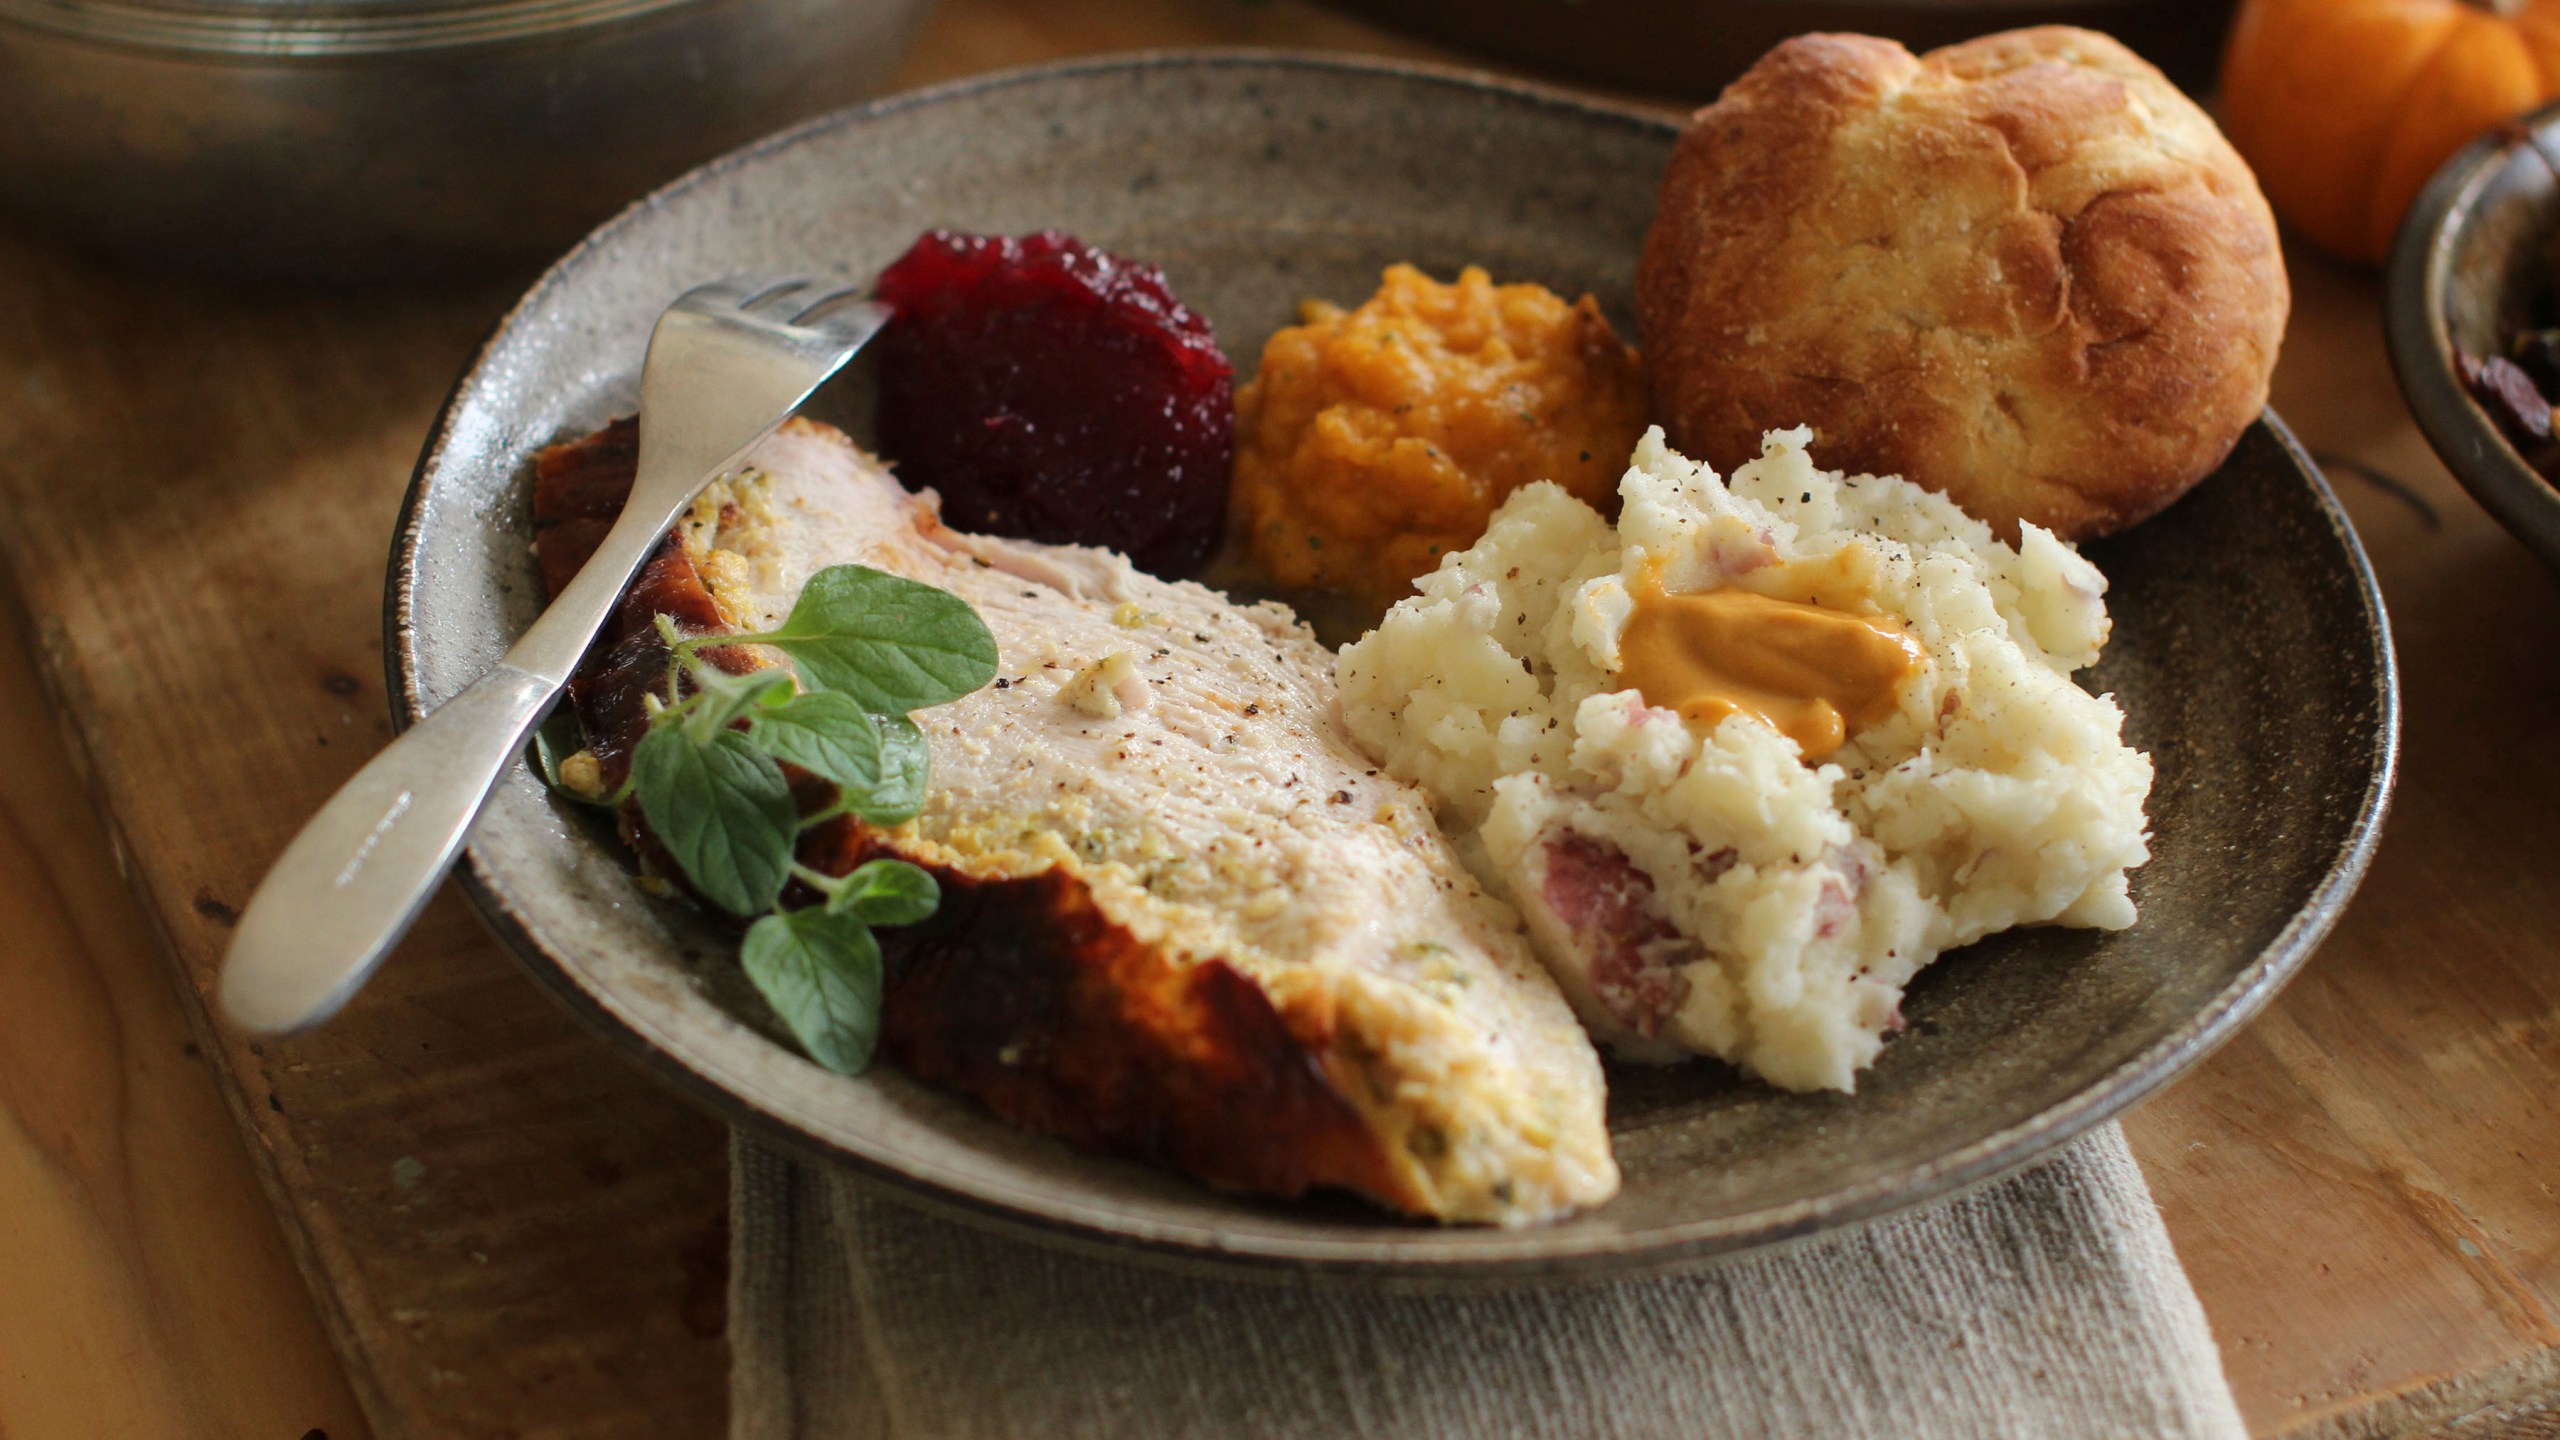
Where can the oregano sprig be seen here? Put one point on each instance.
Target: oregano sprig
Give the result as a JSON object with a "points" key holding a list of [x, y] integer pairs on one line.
{"points": [[892, 644], [723, 810], [878, 764], [821, 973], [865, 648]]}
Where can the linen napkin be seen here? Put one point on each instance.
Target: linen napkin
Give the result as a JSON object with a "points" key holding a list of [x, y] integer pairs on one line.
{"points": [[2049, 1304]]}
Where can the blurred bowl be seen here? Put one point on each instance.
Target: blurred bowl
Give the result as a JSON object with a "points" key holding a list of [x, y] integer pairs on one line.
{"points": [[352, 139], [1688, 49], [2474, 263]]}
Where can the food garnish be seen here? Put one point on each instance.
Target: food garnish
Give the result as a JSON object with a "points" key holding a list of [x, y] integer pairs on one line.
{"points": [[1373, 441], [866, 648], [1050, 391]]}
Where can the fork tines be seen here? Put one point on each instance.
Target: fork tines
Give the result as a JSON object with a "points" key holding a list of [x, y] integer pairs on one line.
{"points": [[790, 300]]}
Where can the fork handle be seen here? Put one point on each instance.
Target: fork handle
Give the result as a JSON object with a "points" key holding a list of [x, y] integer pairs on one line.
{"points": [[350, 885]]}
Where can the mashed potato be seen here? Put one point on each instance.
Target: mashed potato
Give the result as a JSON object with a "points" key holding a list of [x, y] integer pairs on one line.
{"points": [[1703, 888]]}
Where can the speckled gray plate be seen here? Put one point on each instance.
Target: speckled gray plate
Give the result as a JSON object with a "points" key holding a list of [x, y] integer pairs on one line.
{"points": [[2249, 652]]}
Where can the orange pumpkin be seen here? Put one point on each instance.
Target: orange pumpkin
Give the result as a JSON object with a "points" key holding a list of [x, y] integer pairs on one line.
{"points": [[2345, 107]]}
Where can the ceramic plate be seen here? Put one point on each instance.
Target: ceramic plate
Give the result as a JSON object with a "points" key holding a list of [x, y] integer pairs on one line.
{"points": [[2249, 654]]}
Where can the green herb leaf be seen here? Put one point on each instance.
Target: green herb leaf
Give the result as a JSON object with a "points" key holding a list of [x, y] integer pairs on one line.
{"points": [[824, 733], [830, 736], [821, 973], [878, 763], [904, 762], [722, 808], [894, 645], [886, 892], [723, 697]]}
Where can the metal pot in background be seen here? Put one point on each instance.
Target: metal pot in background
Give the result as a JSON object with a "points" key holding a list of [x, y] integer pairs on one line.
{"points": [[1688, 49], [356, 139]]}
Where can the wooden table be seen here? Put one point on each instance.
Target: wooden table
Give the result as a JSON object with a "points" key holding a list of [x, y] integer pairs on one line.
{"points": [[509, 1233]]}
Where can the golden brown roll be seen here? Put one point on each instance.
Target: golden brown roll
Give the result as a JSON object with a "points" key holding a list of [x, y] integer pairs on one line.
{"points": [[2024, 270]]}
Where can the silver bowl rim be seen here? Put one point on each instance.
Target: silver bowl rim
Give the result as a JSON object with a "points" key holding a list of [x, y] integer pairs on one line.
{"points": [[322, 31]]}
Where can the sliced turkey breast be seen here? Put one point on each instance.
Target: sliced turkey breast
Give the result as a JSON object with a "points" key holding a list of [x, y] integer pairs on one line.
{"points": [[1184, 917]]}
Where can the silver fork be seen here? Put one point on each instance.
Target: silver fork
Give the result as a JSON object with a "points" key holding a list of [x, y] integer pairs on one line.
{"points": [[727, 363]]}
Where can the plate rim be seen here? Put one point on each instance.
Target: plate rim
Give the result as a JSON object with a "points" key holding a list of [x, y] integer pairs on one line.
{"points": [[1202, 1249]]}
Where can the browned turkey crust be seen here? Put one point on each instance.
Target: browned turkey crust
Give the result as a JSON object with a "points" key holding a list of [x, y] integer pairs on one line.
{"points": [[1061, 997], [1021, 992]]}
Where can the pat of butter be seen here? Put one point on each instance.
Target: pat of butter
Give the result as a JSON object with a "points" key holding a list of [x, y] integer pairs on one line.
{"points": [[1106, 687]]}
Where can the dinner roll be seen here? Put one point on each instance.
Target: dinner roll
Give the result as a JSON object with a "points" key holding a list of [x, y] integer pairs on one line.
{"points": [[2024, 270]]}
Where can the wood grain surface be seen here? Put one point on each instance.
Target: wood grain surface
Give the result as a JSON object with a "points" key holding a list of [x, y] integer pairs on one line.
{"points": [[508, 1232], [145, 1289], [2365, 1185]]}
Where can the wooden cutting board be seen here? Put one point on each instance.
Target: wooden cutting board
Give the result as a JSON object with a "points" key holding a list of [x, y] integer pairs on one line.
{"points": [[509, 1232]]}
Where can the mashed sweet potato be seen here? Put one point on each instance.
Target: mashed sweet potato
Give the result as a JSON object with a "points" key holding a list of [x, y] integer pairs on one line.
{"points": [[1376, 440]]}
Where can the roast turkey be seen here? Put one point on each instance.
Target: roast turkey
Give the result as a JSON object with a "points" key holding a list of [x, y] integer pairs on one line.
{"points": [[1184, 917]]}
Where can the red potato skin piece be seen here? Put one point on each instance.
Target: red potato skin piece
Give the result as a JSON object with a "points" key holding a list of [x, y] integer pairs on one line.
{"points": [[1019, 991], [1607, 902]]}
